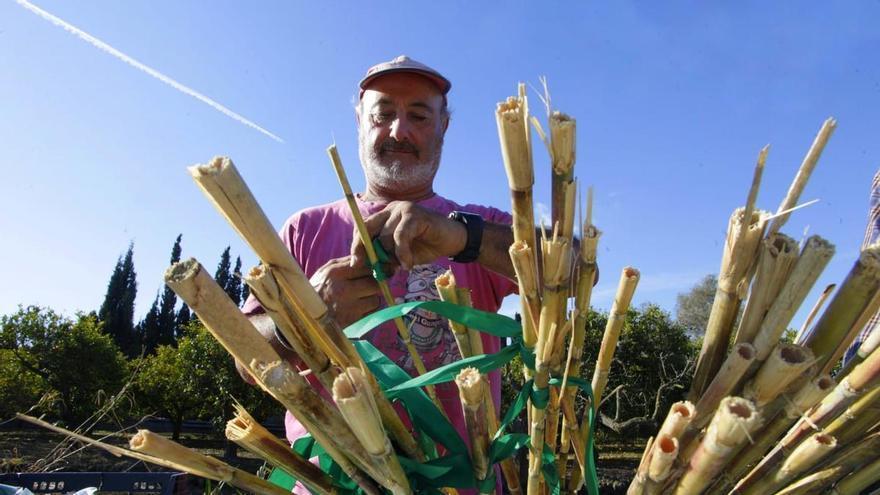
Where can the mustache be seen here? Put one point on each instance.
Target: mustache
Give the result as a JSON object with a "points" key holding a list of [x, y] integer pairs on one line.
{"points": [[392, 144]]}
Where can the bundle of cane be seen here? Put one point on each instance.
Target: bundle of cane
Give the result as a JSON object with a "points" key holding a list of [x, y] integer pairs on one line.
{"points": [[512, 117], [585, 270], [651, 474], [860, 382], [744, 232], [171, 455], [244, 430], [470, 343], [222, 317], [556, 258], [157, 446], [223, 185]]}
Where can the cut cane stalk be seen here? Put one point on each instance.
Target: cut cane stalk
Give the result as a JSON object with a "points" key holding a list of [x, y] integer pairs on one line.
{"points": [[447, 289], [803, 174], [814, 258], [729, 429], [868, 312], [245, 431], [640, 480], [857, 418], [662, 457], [815, 483], [867, 347], [784, 365], [562, 157], [147, 442], [740, 249], [261, 280], [859, 480], [677, 420], [354, 397], [802, 333], [512, 117], [586, 276], [805, 456], [629, 279], [224, 187], [472, 391], [776, 260]]}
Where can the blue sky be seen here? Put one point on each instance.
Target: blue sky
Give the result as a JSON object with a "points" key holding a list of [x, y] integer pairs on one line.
{"points": [[673, 104]]}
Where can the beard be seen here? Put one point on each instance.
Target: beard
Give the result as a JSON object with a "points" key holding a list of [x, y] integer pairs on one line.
{"points": [[390, 172]]}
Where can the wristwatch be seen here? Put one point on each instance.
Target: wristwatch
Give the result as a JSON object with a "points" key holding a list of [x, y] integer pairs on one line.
{"points": [[474, 225]]}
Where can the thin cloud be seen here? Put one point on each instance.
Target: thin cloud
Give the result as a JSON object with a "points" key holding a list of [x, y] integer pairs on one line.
{"points": [[144, 68]]}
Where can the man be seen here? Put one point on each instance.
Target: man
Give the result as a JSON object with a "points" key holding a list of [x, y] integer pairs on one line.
{"points": [[402, 117]]}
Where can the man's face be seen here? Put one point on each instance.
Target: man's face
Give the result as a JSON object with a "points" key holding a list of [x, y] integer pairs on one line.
{"points": [[401, 123]]}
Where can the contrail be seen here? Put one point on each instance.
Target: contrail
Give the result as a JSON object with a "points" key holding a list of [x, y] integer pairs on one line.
{"points": [[144, 68]]}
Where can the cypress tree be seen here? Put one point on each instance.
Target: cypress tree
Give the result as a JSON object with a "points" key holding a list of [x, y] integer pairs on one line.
{"points": [[117, 310], [222, 275], [233, 287], [184, 316], [166, 317], [149, 328]]}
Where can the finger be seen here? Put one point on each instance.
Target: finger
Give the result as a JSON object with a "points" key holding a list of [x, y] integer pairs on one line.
{"points": [[373, 224], [406, 231]]}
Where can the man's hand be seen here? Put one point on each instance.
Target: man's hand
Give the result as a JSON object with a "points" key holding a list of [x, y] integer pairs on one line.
{"points": [[349, 290], [411, 234]]}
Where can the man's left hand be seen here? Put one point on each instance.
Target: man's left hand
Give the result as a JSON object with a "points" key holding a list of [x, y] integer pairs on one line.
{"points": [[411, 234]]}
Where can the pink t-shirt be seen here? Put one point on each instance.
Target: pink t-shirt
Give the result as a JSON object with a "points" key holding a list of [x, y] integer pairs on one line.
{"points": [[319, 234]]}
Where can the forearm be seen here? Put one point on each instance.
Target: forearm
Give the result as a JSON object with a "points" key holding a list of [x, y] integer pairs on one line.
{"points": [[494, 249]]}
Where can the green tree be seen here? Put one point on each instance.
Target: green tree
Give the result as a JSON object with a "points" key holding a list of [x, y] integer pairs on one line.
{"points": [[233, 287], [117, 310], [184, 316], [20, 388], [651, 368], [197, 380], [223, 275], [692, 308], [74, 358], [149, 328]]}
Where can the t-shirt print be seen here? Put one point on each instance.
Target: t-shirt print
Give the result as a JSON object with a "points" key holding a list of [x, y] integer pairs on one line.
{"points": [[429, 332]]}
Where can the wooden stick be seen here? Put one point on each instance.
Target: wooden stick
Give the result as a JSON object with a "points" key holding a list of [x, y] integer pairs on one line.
{"points": [[867, 313], [447, 289], [740, 250], [354, 397], [562, 157], [802, 458], [803, 174], [245, 431], [815, 483], [640, 480], [858, 418], [222, 184], [664, 454], [157, 446]]}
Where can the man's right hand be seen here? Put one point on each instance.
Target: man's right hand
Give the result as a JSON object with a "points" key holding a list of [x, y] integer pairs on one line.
{"points": [[350, 292]]}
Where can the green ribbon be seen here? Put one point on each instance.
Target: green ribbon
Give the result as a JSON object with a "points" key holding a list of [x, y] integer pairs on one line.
{"points": [[381, 258], [454, 468]]}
